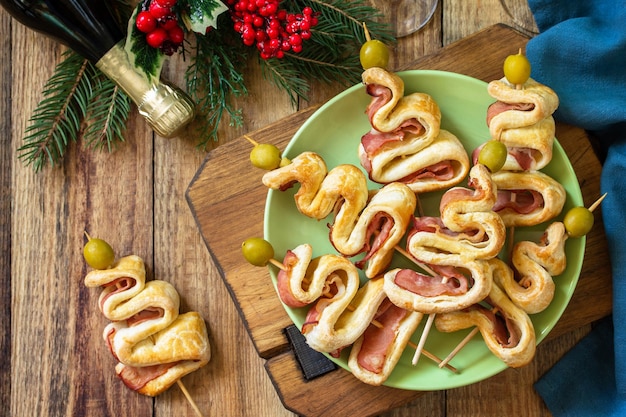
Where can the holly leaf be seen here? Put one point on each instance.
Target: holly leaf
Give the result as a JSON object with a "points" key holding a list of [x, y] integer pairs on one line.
{"points": [[202, 14], [141, 55]]}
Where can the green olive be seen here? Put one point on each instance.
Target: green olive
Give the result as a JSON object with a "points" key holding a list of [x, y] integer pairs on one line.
{"points": [[493, 155], [257, 251], [374, 53], [265, 156], [578, 221], [517, 68], [98, 254]]}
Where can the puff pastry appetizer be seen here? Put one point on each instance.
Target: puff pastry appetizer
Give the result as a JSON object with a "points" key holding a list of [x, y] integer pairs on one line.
{"points": [[406, 143], [154, 344]]}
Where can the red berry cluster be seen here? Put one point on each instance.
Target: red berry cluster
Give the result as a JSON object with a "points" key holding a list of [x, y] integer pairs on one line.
{"points": [[160, 24], [273, 30]]}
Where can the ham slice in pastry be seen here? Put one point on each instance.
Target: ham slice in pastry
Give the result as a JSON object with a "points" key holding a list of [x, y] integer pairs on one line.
{"points": [[453, 288], [442, 164], [154, 344], [376, 353], [390, 109], [522, 120], [532, 288], [406, 143], [509, 334], [379, 229], [337, 320], [527, 198], [305, 279], [468, 228]]}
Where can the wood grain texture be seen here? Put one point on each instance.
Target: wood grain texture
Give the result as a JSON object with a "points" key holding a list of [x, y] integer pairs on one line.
{"points": [[6, 161], [54, 361]]}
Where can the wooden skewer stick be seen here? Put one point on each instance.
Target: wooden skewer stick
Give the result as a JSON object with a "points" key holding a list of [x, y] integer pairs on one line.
{"points": [[420, 347], [184, 389], [189, 398], [429, 355], [597, 203], [378, 324], [431, 317], [252, 141], [462, 343]]}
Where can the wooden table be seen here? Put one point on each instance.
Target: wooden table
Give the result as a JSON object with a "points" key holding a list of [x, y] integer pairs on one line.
{"points": [[54, 362]]}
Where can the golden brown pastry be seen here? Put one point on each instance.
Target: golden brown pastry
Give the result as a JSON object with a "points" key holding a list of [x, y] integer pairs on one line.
{"points": [[320, 190], [390, 108], [522, 120], [154, 344], [455, 286], [376, 353], [304, 279], [336, 321], [532, 287], [527, 198], [509, 333], [442, 164], [468, 228], [379, 229], [406, 143]]}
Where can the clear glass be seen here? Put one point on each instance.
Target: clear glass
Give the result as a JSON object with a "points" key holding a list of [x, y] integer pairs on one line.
{"points": [[406, 16]]}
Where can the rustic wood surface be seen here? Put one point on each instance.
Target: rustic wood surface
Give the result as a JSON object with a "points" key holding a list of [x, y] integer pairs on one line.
{"points": [[54, 362]]}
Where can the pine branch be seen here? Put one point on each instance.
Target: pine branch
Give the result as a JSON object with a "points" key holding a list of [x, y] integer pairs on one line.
{"points": [[57, 119], [107, 115], [215, 77]]}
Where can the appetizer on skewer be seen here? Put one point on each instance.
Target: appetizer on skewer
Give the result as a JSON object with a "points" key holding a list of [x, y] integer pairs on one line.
{"points": [[406, 143], [153, 343]]}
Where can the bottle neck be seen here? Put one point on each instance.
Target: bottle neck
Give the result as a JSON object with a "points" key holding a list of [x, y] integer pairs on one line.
{"points": [[166, 108]]}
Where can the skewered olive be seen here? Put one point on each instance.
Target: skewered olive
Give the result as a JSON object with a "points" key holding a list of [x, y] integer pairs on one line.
{"points": [[517, 68], [493, 155], [578, 221], [265, 156], [374, 53], [98, 253], [257, 251]]}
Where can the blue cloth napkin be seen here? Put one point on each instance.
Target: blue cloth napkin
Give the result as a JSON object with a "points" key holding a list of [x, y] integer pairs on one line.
{"points": [[581, 53]]}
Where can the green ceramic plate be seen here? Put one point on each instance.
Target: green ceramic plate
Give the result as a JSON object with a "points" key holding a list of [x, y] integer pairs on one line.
{"points": [[334, 131]]}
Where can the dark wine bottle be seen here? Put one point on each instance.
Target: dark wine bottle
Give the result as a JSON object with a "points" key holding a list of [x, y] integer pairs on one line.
{"points": [[90, 29]]}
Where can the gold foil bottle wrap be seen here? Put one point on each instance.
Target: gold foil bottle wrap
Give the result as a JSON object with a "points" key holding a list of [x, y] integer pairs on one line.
{"points": [[166, 108]]}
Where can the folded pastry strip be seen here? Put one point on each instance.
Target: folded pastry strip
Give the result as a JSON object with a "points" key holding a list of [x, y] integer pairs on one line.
{"points": [[336, 322], [406, 143], [468, 228], [529, 147], [183, 348], [390, 109], [440, 164], [154, 344], [509, 334], [527, 198], [306, 279], [455, 286], [531, 286], [380, 227], [540, 100], [522, 120], [376, 353], [320, 190]]}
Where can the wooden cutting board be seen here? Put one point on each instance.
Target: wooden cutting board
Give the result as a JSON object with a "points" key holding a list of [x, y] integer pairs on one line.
{"points": [[227, 200]]}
